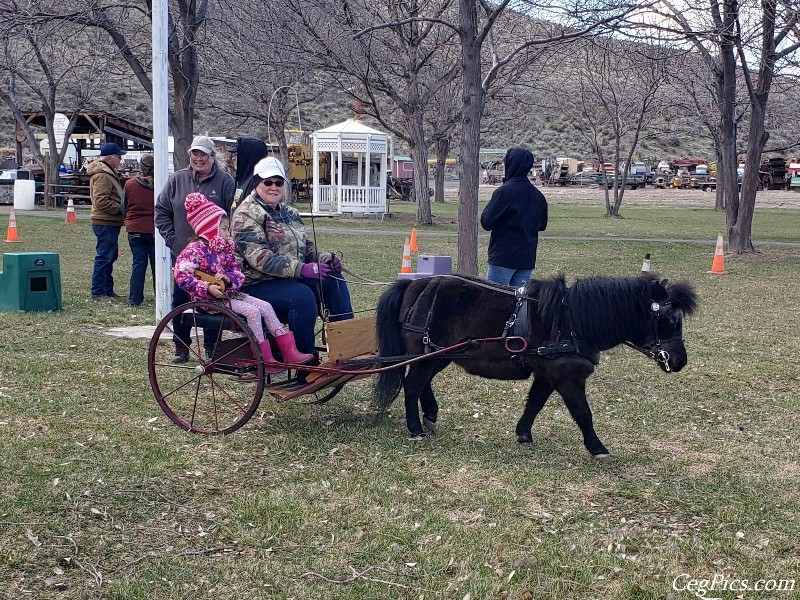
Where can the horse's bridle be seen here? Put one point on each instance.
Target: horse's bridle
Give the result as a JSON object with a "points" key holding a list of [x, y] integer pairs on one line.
{"points": [[652, 348]]}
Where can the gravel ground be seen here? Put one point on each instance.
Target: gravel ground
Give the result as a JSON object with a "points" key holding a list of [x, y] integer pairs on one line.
{"points": [[647, 196]]}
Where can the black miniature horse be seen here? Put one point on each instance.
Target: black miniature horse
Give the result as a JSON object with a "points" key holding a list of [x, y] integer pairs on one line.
{"points": [[565, 328]]}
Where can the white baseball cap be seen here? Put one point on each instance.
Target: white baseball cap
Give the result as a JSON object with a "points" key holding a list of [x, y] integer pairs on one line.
{"points": [[269, 167], [202, 143]]}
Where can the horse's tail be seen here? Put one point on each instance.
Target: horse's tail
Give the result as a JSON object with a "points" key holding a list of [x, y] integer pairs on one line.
{"points": [[390, 342]]}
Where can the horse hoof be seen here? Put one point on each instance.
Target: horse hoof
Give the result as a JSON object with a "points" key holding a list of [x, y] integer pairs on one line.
{"points": [[429, 425], [524, 439], [418, 438], [603, 459]]}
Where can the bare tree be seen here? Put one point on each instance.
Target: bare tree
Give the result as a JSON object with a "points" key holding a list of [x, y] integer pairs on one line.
{"points": [[266, 100], [61, 68], [391, 58], [738, 35], [475, 27], [778, 24], [617, 99], [128, 26], [409, 39]]}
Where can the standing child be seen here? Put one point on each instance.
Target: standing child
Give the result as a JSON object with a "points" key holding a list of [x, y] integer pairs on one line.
{"points": [[515, 215], [212, 254]]}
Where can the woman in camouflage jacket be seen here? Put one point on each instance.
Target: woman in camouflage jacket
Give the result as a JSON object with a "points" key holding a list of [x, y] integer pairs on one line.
{"points": [[280, 263]]}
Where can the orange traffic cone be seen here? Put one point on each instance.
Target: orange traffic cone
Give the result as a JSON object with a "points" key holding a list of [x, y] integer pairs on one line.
{"points": [[406, 268], [12, 235], [413, 243], [718, 266], [646, 264], [70, 213]]}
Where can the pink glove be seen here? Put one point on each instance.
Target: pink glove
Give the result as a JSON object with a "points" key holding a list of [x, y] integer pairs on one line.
{"points": [[314, 270]]}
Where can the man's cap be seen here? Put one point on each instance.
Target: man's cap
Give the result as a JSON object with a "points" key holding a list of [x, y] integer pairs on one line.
{"points": [[269, 167], [111, 149], [202, 143]]}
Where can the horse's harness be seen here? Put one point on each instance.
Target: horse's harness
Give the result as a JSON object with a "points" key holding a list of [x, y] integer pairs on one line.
{"points": [[516, 331], [558, 343]]}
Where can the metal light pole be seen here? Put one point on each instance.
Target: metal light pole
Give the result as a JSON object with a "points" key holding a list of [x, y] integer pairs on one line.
{"points": [[160, 78]]}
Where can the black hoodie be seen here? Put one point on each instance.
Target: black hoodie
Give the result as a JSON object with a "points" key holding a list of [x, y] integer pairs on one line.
{"points": [[515, 215], [249, 150]]}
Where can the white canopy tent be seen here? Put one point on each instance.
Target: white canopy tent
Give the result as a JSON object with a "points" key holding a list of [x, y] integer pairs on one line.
{"points": [[350, 165]]}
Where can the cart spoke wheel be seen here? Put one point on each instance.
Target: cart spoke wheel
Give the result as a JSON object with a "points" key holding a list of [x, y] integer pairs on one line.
{"points": [[220, 386]]}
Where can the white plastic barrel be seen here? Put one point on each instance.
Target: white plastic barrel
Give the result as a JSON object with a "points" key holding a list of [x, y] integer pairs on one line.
{"points": [[24, 194]]}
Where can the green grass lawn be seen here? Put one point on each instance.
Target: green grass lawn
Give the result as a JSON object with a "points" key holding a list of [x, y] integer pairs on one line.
{"points": [[638, 221], [103, 497]]}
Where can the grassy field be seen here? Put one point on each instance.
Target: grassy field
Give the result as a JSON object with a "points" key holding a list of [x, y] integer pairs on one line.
{"points": [[102, 497], [639, 221]]}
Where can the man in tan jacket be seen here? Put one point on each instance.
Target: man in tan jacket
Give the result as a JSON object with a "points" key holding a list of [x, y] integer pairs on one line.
{"points": [[107, 195]]}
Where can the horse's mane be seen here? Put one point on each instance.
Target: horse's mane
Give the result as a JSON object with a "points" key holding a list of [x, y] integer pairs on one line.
{"points": [[603, 309]]}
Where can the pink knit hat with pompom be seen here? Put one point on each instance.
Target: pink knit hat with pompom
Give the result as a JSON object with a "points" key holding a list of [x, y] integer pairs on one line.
{"points": [[203, 215]]}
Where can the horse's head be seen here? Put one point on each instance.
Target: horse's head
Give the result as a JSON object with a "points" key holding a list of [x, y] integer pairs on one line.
{"points": [[663, 339]]}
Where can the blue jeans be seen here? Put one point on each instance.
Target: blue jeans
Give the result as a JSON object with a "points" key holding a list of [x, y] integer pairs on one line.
{"points": [[143, 249], [507, 276], [294, 303], [106, 254], [335, 295]]}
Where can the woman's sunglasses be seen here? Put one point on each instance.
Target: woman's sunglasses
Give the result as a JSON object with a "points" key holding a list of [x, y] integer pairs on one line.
{"points": [[271, 182]]}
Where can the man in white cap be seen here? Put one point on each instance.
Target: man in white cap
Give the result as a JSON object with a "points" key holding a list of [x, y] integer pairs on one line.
{"points": [[203, 176]]}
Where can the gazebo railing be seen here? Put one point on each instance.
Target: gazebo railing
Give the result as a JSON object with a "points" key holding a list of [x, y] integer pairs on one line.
{"points": [[354, 199], [326, 198]]}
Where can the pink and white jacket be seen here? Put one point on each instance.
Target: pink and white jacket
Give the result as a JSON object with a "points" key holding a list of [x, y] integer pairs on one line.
{"points": [[197, 255]]}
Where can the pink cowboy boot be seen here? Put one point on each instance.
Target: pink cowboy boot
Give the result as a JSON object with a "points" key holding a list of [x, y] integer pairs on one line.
{"points": [[289, 350]]}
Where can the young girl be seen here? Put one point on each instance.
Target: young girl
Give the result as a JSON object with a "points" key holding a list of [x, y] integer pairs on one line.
{"points": [[212, 254]]}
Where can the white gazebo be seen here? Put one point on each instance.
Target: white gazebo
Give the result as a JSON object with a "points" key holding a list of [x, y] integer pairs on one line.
{"points": [[350, 161]]}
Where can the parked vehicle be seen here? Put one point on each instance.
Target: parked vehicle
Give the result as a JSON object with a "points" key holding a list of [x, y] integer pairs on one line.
{"points": [[585, 177], [493, 171], [641, 170], [631, 182]]}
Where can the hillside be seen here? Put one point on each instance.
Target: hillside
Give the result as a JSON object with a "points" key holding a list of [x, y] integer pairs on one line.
{"points": [[532, 123], [546, 133]]}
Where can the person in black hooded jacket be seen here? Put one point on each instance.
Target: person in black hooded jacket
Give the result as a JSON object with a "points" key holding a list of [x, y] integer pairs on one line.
{"points": [[249, 151], [515, 215]]}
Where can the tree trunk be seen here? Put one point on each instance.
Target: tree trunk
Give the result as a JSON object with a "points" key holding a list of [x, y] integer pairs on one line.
{"points": [[184, 67], [719, 192], [181, 120], [442, 150], [472, 111], [419, 156], [729, 178], [740, 233]]}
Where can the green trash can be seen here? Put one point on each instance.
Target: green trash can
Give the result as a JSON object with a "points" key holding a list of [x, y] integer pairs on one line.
{"points": [[30, 281]]}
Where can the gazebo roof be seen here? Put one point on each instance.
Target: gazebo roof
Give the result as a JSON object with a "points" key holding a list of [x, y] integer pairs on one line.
{"points": [[350, 126]]}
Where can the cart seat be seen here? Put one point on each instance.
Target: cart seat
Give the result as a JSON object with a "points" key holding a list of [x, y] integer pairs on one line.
{"points": [[204, 319]]}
